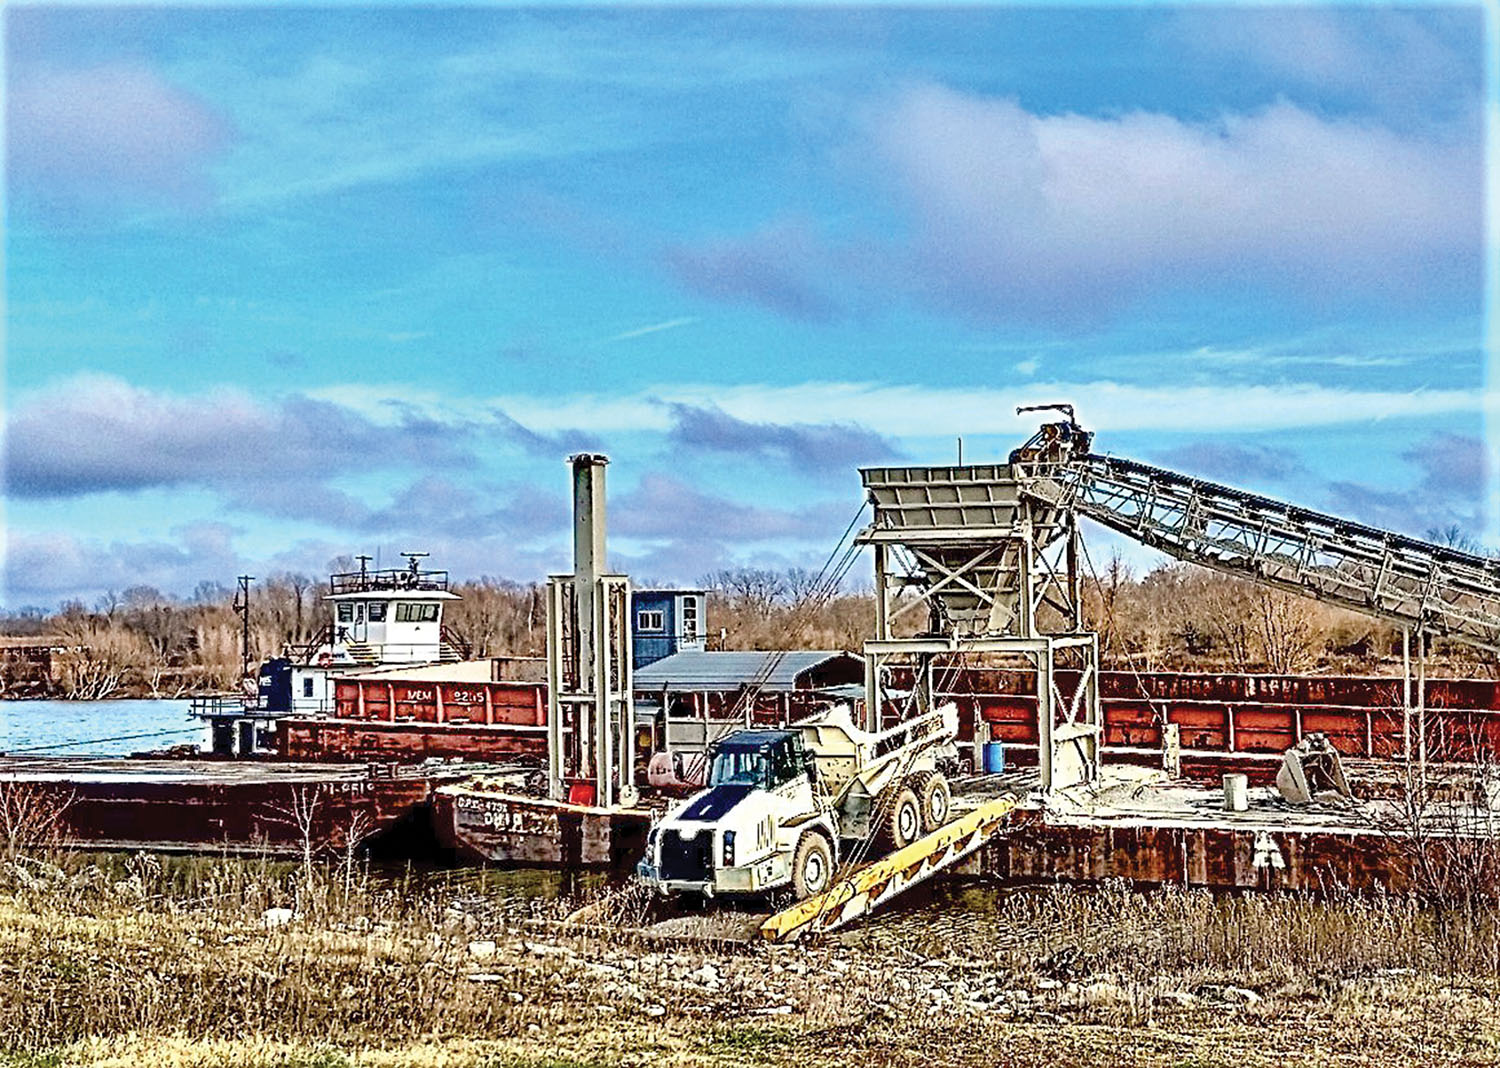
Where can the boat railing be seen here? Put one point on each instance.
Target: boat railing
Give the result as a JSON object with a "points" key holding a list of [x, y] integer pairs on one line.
{"points": [[215, 705], [394, 578]]}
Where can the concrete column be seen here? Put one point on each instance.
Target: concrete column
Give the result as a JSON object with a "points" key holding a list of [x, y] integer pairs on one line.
{"points": [[588, 555]]}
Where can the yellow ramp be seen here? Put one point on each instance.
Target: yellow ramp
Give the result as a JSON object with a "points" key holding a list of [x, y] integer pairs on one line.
{"points": [[872, 885]]}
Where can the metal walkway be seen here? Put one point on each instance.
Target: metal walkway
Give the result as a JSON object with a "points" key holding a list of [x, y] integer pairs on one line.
{"points": [[871, 886]]}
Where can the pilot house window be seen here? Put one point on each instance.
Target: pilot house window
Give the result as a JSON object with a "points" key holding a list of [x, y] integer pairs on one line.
{"points": [[416, 613]]}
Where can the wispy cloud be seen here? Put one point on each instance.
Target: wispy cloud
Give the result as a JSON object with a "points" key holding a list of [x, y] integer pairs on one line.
{"points": [[106, 137], [654, 328], [1232, 462], [921, 411], [1400, 62], [811, 447], [776, 267]]}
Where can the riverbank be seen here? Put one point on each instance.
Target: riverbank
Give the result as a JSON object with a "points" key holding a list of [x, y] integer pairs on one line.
{"points": [[217, 962]]}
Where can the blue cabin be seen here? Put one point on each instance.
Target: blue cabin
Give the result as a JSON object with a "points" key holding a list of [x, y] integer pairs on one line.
{"points": [[667, 622]]}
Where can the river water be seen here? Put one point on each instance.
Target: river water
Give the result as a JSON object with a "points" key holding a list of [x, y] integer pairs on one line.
{"points": [[94, 728]]}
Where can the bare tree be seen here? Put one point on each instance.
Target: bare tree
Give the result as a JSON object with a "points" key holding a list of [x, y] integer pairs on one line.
{"points": [[1285, 631], [753, 589]]}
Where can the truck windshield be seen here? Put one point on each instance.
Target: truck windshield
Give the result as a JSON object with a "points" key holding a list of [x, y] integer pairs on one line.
{"points": [[738, 766]]}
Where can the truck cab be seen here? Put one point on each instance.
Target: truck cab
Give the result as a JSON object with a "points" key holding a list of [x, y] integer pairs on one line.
{"points": [[731, 837]]}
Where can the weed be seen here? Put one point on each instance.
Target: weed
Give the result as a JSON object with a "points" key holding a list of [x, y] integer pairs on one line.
{"points": [[750, 1041]]}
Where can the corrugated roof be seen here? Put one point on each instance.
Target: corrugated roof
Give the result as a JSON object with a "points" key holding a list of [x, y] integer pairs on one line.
{"points": [[693, 670]]}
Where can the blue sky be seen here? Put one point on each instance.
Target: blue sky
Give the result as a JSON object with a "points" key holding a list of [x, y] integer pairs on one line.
{"points": [[287, 284]]}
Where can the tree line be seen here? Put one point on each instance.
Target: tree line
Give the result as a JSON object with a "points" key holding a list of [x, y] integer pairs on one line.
{"points": [[143, 642]]}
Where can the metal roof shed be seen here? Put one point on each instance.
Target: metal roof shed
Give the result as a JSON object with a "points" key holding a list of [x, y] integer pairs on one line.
{"points": [[783, 671], [690, 698]]}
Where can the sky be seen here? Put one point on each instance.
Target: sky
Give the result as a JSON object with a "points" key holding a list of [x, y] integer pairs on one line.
{"points": [[288, 284]]}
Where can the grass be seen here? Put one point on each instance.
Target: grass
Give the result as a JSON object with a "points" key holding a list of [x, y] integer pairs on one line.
{"points": [[121, 961]]}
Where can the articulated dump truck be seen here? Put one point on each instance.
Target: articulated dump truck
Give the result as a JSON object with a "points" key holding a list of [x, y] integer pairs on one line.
{"points": [[782, 806]]}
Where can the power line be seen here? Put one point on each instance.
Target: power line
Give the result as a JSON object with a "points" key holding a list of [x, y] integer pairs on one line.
{"points": [[101, 741]]}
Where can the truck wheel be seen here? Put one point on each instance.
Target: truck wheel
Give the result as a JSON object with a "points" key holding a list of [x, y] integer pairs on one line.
{"points": [[812, 865], [931, 788], [903, 822]]}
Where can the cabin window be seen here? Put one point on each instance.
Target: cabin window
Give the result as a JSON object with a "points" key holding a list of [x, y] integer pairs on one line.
{"points": [[649, 620], [416, 613], [377, 611], [690, 617], [346, 612], [307, 687]]}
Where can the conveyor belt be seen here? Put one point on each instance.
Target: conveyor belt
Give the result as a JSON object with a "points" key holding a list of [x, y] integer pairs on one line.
{"points": [[1431, 588]]}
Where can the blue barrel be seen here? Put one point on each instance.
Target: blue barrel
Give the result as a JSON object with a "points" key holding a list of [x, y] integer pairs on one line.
{"points": [[994, 758]]}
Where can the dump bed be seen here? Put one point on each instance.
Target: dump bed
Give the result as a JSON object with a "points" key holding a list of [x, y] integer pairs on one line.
{"points": [[847, 755]]}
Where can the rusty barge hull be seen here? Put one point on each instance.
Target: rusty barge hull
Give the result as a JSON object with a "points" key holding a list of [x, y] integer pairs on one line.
{"points": [[363, 740], [490, 827], [273, 808], [1215, 858], [1148, 830], [1226, 722]]}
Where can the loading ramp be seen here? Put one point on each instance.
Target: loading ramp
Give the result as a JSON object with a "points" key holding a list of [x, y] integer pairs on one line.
{"points": [[880, 881]]}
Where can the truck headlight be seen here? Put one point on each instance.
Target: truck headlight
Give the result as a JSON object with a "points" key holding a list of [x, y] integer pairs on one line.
{"points": [[728, 849]]}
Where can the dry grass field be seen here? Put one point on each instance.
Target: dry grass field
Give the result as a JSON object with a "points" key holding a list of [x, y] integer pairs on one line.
{"points": [[105, 961]]}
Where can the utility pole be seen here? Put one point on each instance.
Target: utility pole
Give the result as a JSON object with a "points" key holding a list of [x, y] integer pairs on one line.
{"points": [[242, 606]]}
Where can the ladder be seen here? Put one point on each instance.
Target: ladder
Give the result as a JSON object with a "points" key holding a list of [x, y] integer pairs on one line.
{"points": [[1431, 588], [868, 887]]}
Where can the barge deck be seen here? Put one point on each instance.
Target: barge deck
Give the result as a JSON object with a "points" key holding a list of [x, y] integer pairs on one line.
{"points": [[237, 806]]}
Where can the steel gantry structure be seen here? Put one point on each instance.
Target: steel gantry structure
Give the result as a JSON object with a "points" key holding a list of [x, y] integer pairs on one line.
{"points": [[995, 571]]}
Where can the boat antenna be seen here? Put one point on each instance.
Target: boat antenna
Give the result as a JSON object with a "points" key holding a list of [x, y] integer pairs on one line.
{"points": [[1066, 409]]}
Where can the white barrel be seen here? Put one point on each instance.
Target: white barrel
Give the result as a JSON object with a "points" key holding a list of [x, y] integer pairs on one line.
{"points": [[1236, 792]]}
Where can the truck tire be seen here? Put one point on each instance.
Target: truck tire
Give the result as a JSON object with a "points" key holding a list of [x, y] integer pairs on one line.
{"points": [[931, 788], [812, 865], [902, 824]]}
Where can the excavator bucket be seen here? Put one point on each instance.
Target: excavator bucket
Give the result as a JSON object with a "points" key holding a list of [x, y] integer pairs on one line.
{"points": [[1311, 767]]}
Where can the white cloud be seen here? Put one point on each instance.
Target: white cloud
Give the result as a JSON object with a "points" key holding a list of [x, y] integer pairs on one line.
{"points": [[99, 433], [1070, 215]]}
